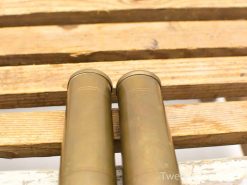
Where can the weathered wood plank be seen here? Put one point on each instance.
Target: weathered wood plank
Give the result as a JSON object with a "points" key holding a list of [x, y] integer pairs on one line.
{"points": [[205, 172], [44, 85], [25, 134], [44, 12], [100, 42]]}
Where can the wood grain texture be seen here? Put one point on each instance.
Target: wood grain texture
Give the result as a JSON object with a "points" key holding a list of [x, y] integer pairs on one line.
{"points": [[25, 134], [45, 85], [111, 42], [45, 12], [204, 172]]}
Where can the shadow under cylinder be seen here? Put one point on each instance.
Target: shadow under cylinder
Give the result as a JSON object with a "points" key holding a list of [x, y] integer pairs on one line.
{"points": [[87, 150], [147, 148]]}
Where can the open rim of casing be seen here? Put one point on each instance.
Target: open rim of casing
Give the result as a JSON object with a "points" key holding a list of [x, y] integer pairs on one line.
{"points": [[138, 72], [94, 71]]}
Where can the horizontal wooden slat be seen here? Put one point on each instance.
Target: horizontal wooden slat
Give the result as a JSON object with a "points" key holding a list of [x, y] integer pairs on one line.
{"points": [[208, 124], [204, 172], [44, 85], [45, 12], [111, 42]]}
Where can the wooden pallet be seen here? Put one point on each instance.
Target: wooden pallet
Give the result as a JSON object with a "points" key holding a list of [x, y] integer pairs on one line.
{"points": [[197, 48]]}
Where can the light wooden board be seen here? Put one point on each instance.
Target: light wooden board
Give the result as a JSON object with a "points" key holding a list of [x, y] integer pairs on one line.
{"points": [[11, 7], [232, 171], [38, 12], [100, 42], [25, 134], [44, 85]]}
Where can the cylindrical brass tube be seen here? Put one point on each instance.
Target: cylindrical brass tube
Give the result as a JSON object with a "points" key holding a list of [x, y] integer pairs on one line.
{"points": [[87, 151], [147, 148]]}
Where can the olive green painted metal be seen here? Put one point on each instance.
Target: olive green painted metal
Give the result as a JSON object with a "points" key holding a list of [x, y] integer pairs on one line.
{"points": [[87, 151], [147, 148]]}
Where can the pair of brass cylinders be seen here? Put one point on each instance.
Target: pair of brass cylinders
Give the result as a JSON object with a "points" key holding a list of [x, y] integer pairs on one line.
{"points": [[146, 144]]}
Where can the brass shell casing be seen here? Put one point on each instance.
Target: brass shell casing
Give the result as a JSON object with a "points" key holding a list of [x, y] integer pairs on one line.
{"points": [[87, 151], [147, 147]]}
